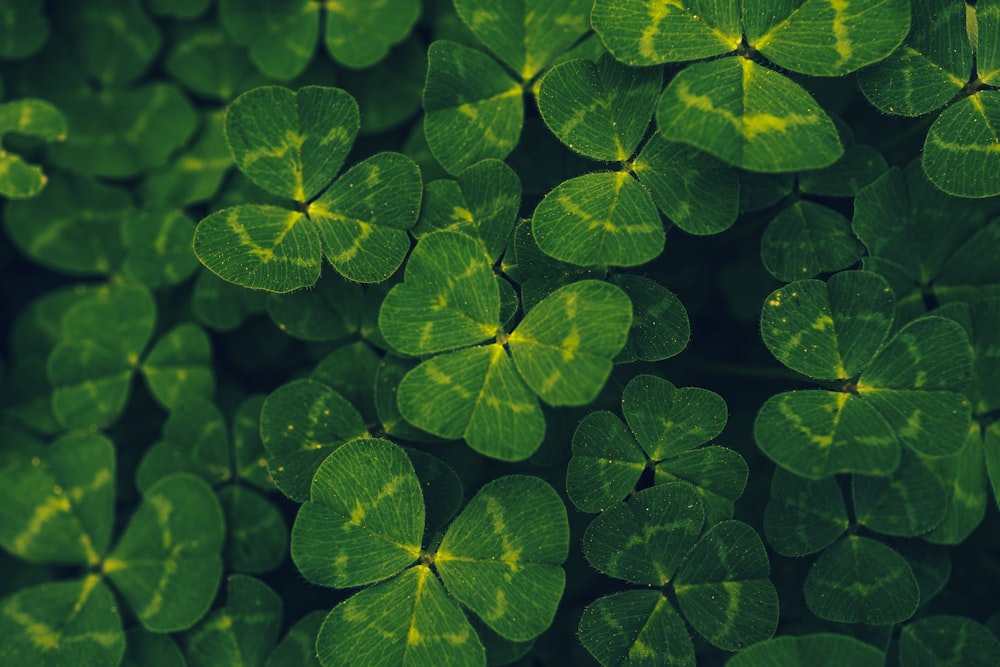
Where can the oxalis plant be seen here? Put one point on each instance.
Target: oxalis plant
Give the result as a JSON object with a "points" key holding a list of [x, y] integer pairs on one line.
{"points": [[484, 332]]}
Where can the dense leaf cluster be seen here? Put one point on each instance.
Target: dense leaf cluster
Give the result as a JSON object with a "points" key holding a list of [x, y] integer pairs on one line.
{"points": [[466, 332]]}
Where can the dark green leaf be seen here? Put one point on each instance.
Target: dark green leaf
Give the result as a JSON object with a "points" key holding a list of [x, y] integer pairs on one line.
{"points": [[723, 588], [604, 218], [179, 366], [644, 540], [637, 627], [931, 66], [301, 423], [502, 557], [364, 520], [58, 505], [62, 624], [605, 465], [359, 33], [660, 325], [749, 116], [483, 203], [823, 38], [806, 239], [167, 565], [408, 620], [526, 36], [961, 154], [803, 516], [257, 535], [473, 107], [240, 633], [859, 580], [668, 421], [564, 346], [646, 32], [599, 110], [910, 503], [815, 650], [816, 434], [947, 641], [72, 226], [292, 144], [449, 297], [699, 193]]}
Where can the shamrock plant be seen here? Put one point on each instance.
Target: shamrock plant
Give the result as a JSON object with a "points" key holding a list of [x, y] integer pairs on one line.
{"points": [[292, 145], [466, 332]]}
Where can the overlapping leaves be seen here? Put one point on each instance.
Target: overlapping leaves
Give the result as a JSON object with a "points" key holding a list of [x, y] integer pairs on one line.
{"points": [[897, 390], [734, 108], [282, 36], [602, 110], [449, 303], [719, 578], [37, 118], [474, 107], [364, 524], [924, 241], [59, 508], [935, 66], [293, 145], [103, 345], [666, 428]]}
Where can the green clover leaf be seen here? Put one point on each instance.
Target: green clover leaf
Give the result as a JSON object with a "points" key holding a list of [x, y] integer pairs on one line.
{"points": [[292, 145]]}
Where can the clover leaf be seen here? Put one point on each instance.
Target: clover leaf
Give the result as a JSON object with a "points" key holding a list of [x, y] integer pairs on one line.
{"points": [[282, 36], [666, 428], [104, 344], [474, 107], [899, 389], [656, 540], [292, 145], [301, 423], [947, 639], [931, 69], [244, 630], [747, 115], [449, 302], [196, 440], [62, 623], [37, 118], [856, 578], [72, 226], [899, 219], [740, 111], [59, 502], [482, 202], [819, 650], [602, 110], [501, 558]]}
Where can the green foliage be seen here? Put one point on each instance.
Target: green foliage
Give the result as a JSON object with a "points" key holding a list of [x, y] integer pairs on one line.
{"points": [[404, 281]]}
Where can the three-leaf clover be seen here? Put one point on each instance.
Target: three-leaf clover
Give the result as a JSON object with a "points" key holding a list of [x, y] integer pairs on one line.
{"points": [[666, 428], [104, 340], [449, 304], [719, 579], [293, 145], [58, 507], [950, 56], [474, 107], [735, 108], [898, 389], [364, 526], [602, 110]]}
